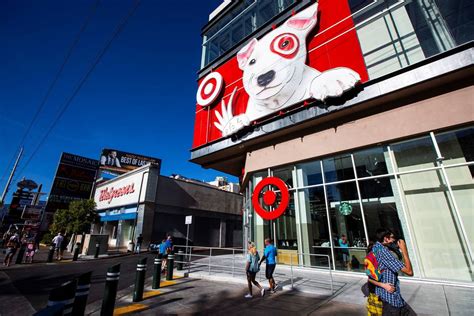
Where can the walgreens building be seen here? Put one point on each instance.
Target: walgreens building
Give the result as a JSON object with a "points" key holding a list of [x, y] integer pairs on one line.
{"points": [[343, 116]]}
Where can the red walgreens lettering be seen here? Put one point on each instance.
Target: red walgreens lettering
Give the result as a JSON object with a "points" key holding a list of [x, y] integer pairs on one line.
{"points": [[109, 195]]}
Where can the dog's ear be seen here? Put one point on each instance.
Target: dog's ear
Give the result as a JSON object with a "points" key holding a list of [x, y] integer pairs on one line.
{"points": [[304, 20], [244, 54]]}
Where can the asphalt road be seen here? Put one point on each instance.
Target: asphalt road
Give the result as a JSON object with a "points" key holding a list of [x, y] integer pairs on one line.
{"points": [[35, 281]]}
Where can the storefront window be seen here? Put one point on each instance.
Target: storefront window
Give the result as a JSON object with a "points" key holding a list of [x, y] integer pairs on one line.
{"points": [[311, 174], [430, 209], [457, 147], [415, 154], [338, 168], [371, 162]]}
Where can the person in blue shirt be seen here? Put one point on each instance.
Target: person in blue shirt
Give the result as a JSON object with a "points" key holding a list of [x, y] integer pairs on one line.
{"points": [[393, 303], [269, 255]]}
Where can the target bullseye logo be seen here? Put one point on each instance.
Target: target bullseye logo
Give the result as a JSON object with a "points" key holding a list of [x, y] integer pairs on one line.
{"points": [[270, 198], [209, 89]]}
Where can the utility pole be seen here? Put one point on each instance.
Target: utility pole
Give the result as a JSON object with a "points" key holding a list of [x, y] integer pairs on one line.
{"points": [[5, 191]]}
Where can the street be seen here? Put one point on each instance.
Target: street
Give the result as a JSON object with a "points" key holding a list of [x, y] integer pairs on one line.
{"points": [[35, 281]]}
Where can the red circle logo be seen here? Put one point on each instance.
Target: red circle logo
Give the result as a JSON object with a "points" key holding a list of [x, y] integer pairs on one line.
{"points": [[270, 197], [209, 89]]}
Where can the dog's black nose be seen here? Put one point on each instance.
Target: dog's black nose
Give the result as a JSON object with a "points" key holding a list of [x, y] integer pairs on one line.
{"points": [[266, 78]]}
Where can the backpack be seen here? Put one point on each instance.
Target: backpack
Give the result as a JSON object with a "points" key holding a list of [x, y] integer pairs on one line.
{"points": [[371, 266]]}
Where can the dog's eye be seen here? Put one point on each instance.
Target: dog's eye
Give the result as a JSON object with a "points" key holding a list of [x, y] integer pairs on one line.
{"points": [[253, 61], [285, 43]]}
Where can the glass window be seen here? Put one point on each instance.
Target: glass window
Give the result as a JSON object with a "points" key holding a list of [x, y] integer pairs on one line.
{"points": [[415, 154], [310, 174], [371, 162], [338, 168], [241, 21], [286, 175], [430, 210], [462, 185], [457, 147], [347, 226]]}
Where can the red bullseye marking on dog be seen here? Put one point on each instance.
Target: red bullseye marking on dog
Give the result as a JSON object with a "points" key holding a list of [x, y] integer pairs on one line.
{"points": [[270, 197], [209, 89], [286, 45]]}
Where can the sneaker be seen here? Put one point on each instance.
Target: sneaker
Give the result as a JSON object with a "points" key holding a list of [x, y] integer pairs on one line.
{"points": [[272, 291], [262, 292], [276, 287], [248, 296]]}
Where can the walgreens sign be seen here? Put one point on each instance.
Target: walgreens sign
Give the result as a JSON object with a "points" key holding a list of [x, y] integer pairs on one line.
{"points": [[121, 191]]}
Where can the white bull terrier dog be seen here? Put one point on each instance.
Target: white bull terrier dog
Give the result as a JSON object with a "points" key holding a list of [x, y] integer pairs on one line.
{"points": [[275, 75]]}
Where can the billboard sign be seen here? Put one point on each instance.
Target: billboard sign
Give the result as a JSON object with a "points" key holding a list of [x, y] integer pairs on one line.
{"points": [[117, 162], [283, 70], [32, 213], [74, 180]]}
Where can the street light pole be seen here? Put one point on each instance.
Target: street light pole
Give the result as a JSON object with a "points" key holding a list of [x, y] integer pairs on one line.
{"points": [[5, 191]]}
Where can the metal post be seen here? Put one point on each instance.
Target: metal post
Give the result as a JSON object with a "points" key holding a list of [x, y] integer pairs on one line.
{"points": [[156, 273], [330, 275], [189, 260], [21, 253], [233, 261], [76, 252], [139, 280], [97, 249], [291, 268], [82, 292], [110, 292], [169, 274], [210, 255], [63, 295], [51, 252], [179, 265]]}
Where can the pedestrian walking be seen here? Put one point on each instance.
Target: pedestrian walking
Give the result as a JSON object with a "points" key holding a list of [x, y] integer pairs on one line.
{"points": [[57, 243], [139, 243], [12, 246], [344, 245], [251, 268], [30, 250], [269, 255], [388, 268]]}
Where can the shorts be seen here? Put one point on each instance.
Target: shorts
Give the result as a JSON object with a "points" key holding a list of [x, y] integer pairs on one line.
{"points": [[388, 309], [11, 251], [252, 274], [269, 269]]}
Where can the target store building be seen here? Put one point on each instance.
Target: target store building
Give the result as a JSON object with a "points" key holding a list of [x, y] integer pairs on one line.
{"points": [[341, 117]]}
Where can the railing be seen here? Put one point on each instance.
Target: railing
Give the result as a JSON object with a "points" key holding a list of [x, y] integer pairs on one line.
{"points": [[191, 258]]}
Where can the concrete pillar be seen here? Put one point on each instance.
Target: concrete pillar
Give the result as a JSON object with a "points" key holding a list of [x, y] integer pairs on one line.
{"points": [[222, 233]]}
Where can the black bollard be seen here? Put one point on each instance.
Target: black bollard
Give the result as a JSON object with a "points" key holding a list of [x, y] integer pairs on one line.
{"points": [[51, 252], [110, 292], [21, 253], [76, 252], [179, 264], [169, 274], [156, 274], [82, 291], [56, 310], [64, 295], [97, 249], [139, 280]]}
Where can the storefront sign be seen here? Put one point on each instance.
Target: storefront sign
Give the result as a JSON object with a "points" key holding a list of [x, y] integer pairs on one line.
{"points": [[270, 198], [32, 212], [122, 191], [281, 70], [345, 208], [117, 162], [108, 194]]}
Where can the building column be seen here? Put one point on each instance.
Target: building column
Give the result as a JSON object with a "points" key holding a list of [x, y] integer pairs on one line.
{"points": [[222, 233]]}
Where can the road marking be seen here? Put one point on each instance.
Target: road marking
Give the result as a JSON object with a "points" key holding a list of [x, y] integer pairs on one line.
{"points": [[167, 283], [129, 309], [149, 294]]}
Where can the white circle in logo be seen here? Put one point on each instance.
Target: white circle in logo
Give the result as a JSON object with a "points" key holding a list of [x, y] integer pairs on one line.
{"points": [[209, 89]]}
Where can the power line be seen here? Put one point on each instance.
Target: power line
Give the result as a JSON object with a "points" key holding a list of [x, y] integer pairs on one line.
{"points": [[53, 83], [117, 31]]}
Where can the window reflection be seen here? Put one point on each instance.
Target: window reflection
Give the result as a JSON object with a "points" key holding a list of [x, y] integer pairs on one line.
{"points": [[338, 168], [371, 162]]}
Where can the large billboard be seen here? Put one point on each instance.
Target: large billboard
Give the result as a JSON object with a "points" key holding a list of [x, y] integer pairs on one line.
{"points": [[311, 57], [74, 180], [117, 162]]}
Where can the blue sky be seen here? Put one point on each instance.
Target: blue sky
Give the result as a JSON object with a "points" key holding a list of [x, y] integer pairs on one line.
{"points": [[140, 98]]}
